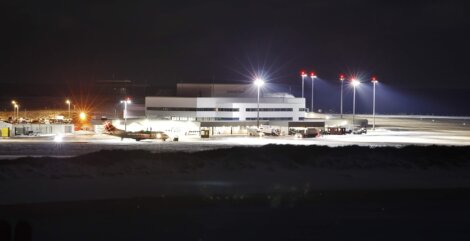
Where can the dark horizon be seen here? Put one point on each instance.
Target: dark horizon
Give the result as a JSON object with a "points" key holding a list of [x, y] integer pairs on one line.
{"points": [[407, 45], [390, 99]]}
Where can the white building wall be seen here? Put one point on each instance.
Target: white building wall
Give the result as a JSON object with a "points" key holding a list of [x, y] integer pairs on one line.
{"points": [[41, 129], [296, 104]]}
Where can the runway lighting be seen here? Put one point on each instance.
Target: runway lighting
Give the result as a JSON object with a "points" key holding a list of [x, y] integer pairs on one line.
{"points": [[125, 102], [341, 78], [313, 76], [303, 74], [354, 82], [259, 83], [374, 82]]}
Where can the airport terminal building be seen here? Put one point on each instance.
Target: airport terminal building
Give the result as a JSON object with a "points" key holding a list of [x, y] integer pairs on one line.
{"points": [[224, 102], [226, 108], [205, 109]]}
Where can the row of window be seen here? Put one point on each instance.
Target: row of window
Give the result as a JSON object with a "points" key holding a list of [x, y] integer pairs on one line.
{"points": [[269, 109], [180, 109], [183, 118], [222, 109], [271, 118], [227, 118], [228, 109]]}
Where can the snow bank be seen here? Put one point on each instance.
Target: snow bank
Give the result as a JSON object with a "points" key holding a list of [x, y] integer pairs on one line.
{"points": [[269, 157], [241, 170]]}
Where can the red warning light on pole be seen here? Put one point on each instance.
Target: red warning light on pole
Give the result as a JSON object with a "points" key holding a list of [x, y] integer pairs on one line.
{"points": [[303, 74], [312, 75], [341, 77]]}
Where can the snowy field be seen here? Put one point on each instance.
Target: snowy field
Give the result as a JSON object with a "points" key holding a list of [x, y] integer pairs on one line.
{"points": [[59, 165], [406, 175], [81, 144], [236, 170]]}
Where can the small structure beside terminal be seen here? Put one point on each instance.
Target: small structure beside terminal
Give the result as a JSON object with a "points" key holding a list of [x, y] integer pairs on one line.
{"points": [[34, 129]]}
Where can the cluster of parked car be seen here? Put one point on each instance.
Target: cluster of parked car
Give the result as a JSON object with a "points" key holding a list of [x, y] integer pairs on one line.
{"points": [[309, 132], [314, 132]]}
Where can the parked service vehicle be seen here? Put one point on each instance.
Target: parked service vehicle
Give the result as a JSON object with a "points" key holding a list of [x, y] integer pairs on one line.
{"points": [[360, 131], [307, 133], [264, 130], [269, 130], [334, 131], [255, 132], [204, 133]]}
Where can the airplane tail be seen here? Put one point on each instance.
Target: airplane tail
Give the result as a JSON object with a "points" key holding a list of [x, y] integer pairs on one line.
{"points": [[109, 127]]}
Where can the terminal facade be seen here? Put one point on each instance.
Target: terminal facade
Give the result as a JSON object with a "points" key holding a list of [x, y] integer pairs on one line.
{"points": [[224, 108], [224, 102]]}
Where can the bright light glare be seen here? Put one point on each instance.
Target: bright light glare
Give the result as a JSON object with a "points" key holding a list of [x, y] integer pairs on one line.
{"points": [[259, 82], [355, 82], [58, 138], [128, 101], [82, 116], [67, 102]]}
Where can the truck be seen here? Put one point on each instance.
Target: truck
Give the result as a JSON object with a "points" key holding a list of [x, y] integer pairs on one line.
{"points": [[335, 131], [264, 130], [307, 133]]}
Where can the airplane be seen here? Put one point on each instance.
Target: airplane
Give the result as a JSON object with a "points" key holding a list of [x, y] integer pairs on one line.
{"points": [[139, 135]]}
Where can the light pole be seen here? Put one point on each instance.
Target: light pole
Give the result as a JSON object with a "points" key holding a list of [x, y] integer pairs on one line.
{"points": [[374, 82], [14, 108], [259, 83], [341, 78], [354, 83], [17, 107], [303, 75], [125, 102], [68, 103], [313, 77]]}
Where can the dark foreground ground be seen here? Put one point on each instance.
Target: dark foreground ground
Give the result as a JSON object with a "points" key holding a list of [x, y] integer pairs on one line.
{"points": [[274, 192], [329, 215]]}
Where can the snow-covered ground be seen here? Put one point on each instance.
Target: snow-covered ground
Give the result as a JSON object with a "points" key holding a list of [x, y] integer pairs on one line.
{"points": [[81, 144], [234, 171], [399, 154]]}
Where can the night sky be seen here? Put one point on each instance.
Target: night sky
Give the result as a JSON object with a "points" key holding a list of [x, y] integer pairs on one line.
{"points": [[405, 43]]}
